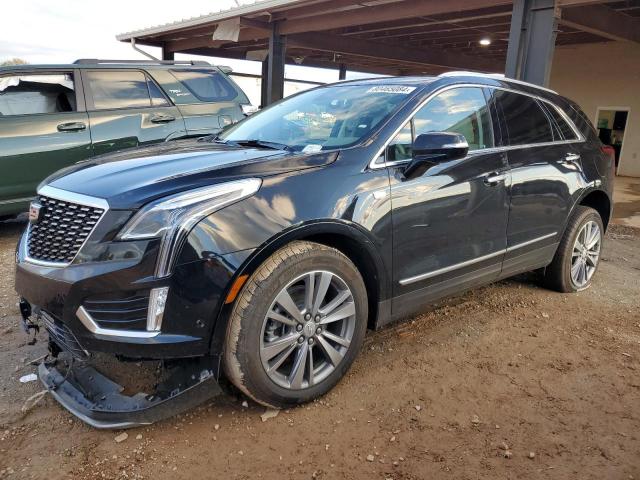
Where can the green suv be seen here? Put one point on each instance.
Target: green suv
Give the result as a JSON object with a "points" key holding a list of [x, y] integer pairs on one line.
{"points": [[52, 116]]}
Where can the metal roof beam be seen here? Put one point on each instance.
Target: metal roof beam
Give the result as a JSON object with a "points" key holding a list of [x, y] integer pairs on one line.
{"points": [[575, 3], [602, 21], [402, 53], [384, 13]]}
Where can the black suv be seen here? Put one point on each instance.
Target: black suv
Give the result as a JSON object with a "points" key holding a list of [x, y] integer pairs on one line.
{"points": [[265, 252]]}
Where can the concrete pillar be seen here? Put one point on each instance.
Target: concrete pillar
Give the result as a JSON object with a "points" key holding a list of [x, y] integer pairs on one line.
{"points": [[532, 40]]}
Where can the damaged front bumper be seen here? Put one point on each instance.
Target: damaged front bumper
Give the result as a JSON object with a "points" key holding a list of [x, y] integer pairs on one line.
{"points": [[100, 402], [74, 381]]}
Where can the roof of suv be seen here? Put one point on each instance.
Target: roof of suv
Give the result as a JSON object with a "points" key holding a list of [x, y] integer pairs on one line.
{"points": [[488, 78], [94, 63]]}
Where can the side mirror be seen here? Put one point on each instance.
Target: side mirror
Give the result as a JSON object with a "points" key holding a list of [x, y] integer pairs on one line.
{"points": [[435, 147]]}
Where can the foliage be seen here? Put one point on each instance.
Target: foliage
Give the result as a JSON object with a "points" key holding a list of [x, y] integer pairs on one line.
{"points": [[13, 61]]}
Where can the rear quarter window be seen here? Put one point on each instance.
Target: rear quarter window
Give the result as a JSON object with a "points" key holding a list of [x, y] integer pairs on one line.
{"points": [[565, 128], [581, 121], [206, 85]]}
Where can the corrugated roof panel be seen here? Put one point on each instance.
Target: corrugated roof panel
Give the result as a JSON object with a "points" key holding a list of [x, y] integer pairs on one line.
{"points": [[215, 17]]}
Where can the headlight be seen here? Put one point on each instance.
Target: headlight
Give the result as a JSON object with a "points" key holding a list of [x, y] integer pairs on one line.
{"points": [[172, 218]]}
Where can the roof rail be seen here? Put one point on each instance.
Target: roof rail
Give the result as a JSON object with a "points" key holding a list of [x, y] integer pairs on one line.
{"points": [[94, 61], [497, 76]]}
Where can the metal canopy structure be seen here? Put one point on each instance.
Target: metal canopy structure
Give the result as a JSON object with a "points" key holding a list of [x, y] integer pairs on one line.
{"points": [[397, 37]]}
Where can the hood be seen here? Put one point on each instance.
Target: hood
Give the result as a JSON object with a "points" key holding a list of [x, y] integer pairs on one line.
{"points": [[131, 178]]}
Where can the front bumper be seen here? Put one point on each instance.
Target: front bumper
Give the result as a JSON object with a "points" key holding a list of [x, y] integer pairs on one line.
{"points": [[196, 291], [98, 401]]}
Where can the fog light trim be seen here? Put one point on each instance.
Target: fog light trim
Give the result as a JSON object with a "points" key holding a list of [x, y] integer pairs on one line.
{"points": [[94, 328], [157, 302]]}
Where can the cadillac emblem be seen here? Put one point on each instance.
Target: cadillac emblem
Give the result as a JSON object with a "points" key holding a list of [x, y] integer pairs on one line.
{"points": [[35, 212]]}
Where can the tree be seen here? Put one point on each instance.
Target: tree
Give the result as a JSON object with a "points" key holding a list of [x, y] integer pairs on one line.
{"points": [[13, 61]]}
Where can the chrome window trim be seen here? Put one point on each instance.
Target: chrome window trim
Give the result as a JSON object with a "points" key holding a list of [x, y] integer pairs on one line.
{"points": [[373, 165], [450, 268], [94, 328], [64, 196]]}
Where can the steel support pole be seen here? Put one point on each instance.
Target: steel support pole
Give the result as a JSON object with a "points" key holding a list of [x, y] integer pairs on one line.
{"points": [[275, 66], [532, 40], [166, 54], [263, 83], [342, 73]]}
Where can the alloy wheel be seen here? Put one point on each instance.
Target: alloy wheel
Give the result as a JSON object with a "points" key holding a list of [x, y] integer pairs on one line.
{"points": [[307, 330], [585, 254]]}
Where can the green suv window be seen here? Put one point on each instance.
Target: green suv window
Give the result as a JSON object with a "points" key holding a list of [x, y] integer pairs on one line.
{"points": [[32, 94], [124, 89], [207, 86]]}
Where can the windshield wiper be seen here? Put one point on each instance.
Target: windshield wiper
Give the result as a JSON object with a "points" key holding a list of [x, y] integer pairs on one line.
{"points": [[263, 143], [215, 139]]}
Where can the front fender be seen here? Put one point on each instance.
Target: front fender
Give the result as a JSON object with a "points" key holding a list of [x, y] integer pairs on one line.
{"points": [[339, 234]]}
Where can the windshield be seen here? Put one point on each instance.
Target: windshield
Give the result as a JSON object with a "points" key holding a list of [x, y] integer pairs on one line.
{"points": [[326, 118]]}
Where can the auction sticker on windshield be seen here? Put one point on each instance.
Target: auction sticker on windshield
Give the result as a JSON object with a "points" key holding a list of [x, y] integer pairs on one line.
{"points": [[391, 89]]}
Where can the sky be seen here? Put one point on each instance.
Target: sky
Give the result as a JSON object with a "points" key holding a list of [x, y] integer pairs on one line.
{"points": [[46, 31]]}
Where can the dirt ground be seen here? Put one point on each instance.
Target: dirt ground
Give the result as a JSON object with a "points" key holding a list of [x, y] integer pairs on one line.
{"points": [[507, 381]]}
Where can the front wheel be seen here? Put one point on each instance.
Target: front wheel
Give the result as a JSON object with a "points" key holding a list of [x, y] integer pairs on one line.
{"points": [[297, 325], [578, 254]]}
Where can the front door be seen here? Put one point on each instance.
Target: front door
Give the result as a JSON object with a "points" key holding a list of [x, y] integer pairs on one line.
{"points": [[449, 225], [43, 128], [128, 109]]}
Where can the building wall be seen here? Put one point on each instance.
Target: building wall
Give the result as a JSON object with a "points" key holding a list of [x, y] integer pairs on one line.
{"points": [[604, 75]]}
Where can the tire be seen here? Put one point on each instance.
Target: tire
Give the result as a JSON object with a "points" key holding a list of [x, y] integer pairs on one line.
{"points": [[252, 332], [558, 275]]}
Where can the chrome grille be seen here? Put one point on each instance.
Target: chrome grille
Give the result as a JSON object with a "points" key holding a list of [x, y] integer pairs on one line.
{"points": [[62, 230]]}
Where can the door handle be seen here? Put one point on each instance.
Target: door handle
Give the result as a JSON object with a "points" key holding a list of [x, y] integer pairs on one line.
{"points": [[71, 127], [495, 178], [571, 157], [162, 118]]}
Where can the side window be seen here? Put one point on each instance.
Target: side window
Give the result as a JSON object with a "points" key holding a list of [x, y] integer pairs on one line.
{"points": [[400, 147], [565, 129], [37, 93], [118, 89], [461, 110], [525, 120], [206, 85], [157, 97]]}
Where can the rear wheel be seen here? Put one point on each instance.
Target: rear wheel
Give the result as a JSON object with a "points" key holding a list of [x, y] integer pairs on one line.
{"points": [[297, 325], [578, 254]]}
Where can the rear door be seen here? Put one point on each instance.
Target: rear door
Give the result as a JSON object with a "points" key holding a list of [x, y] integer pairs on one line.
{"points": [[449, 225], [127, 109], [545, 173], [43, 127]]}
